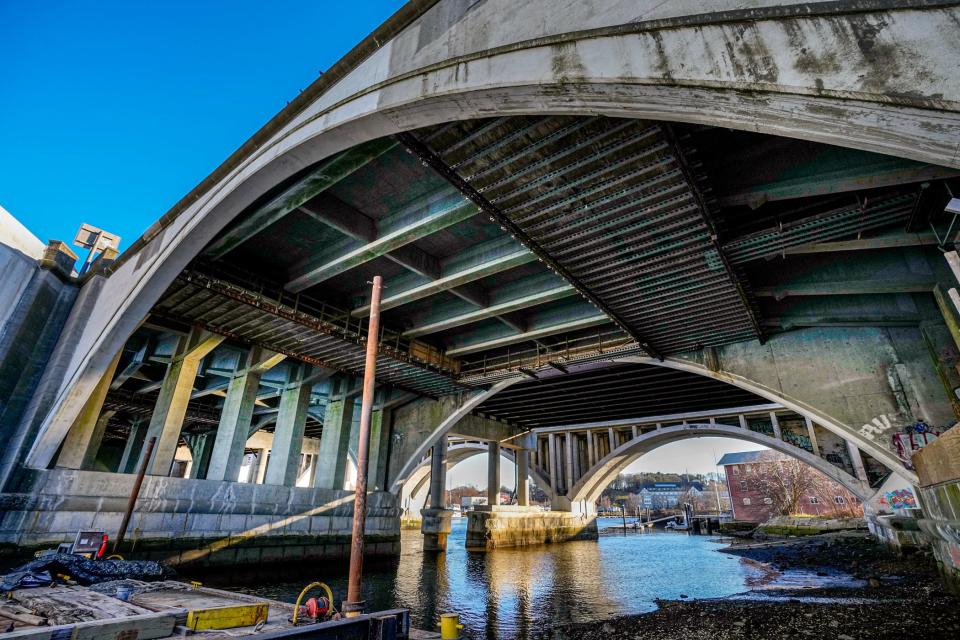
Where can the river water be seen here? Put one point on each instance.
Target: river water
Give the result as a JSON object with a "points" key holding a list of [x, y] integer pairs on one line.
{"points": [[512, 593]]}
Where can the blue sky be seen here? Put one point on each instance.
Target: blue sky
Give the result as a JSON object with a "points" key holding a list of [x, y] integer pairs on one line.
{"points": [[110, 111]]}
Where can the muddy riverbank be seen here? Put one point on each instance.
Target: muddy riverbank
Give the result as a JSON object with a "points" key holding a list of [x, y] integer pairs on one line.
{"points": [[836, 586]]}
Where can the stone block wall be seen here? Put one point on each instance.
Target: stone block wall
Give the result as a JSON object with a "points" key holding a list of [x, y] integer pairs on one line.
{"points": [[199, 522]]}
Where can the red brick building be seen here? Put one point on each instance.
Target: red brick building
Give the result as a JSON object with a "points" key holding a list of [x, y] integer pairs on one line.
{"points": [[750, 503]]}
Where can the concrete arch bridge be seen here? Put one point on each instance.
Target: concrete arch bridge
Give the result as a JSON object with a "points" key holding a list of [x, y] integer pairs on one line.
{"points": [[706, 209]]}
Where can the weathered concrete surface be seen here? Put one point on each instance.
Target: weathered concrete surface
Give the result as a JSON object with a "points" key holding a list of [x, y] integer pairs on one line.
{"points": [[184, 521], [35, 300], [880, 79], [939, 519], [436, 525], [490, 527]]}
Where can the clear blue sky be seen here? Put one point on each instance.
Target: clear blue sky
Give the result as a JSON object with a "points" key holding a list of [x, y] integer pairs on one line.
{"points": [[112, 111]]}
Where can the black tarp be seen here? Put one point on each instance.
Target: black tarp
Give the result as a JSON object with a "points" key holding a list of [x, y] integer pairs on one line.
{"points": [[86, 571]]}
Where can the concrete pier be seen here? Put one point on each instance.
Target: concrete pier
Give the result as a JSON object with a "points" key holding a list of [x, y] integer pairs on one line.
{"points": [[490, 527]]}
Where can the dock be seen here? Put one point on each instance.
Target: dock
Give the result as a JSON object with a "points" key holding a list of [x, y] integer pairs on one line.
{"points": [[172, 609]]}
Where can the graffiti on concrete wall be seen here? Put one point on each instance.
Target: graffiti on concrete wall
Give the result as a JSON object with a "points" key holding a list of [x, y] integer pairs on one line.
{"points": [[900, 499], [876, 427]]}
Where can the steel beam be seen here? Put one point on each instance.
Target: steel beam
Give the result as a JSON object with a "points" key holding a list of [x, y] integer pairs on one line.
{"points": [[328, 174], [420, 220], [481, 265], [563, 327], [558, 292]]}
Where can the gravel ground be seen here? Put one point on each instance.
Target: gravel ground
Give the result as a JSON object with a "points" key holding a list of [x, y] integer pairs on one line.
{"points": [[893, 597]]}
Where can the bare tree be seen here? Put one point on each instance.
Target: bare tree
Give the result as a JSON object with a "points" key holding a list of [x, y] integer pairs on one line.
{"points": [[787, 482]]}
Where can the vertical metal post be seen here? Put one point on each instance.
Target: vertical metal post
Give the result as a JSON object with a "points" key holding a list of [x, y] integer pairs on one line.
{"points": [[135, 493], [354, 605]]}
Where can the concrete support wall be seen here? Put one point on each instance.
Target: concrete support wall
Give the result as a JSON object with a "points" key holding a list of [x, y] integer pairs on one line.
{"points": [[35, 301], [220, 524]]}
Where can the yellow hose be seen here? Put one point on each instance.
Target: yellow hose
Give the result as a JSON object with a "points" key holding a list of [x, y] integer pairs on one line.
{"points": [[296, 607]]}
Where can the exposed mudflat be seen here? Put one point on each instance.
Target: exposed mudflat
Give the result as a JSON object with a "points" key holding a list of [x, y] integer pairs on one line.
{"points": [[836, 586]]}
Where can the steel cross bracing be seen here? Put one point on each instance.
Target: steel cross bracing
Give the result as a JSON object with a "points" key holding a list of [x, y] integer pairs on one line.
{"points": [[613, 207], [314, 333]]}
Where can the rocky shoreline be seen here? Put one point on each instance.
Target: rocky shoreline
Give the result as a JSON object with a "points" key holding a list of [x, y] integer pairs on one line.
{"points": [[863, 591]]}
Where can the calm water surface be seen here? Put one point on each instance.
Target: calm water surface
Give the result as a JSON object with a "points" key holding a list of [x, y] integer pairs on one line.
{"points": [[512, 593]]}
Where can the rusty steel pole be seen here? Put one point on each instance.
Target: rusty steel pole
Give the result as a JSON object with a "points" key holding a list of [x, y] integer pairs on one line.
{"points": [[354, 605], [135, 493]]}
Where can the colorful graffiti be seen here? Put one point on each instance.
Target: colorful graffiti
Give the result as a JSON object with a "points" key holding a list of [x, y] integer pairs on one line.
{"points": [[901, 499]]}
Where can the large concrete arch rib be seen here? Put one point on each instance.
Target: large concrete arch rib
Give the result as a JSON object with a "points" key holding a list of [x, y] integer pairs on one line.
{"points": [[595, 58], [589, 488], [883, 456]]}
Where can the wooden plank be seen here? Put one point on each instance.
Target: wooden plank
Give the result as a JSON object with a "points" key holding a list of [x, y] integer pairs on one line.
{"points": [[143, 627]]}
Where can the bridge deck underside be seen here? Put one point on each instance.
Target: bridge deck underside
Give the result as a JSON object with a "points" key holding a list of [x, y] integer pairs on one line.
{"points": [[543, 246]]}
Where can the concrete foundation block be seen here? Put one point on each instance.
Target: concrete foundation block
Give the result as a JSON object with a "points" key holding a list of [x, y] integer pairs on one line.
{"points": [[522, 526]]}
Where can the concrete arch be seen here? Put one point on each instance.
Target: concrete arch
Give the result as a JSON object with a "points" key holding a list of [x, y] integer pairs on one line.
{"points": [[887, 458], [593, 58], [589, 488], [444, 427], [461, 453]]}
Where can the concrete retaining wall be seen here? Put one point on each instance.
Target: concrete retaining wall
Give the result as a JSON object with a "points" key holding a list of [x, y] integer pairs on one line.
{"points": [[204, 522], [507, 526]]}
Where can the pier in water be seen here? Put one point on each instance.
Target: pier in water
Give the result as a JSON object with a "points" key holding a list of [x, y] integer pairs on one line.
{"points": [[514, 593]]}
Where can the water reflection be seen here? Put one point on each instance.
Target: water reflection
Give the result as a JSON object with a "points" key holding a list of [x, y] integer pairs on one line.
{"points": [[512, 593]]}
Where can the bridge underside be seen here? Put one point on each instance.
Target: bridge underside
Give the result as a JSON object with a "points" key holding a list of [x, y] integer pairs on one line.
{"points": [[591, 275], [535, 246]]}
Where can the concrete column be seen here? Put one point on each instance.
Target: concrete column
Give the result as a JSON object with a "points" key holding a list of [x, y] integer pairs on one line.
{"points": [[634, 432], [438, 474], [263, 456], [493, 473], [236, 415], [591, 456], [436, 524], [570, 480], [812, 434], [334, 444], [79, 450], [552, 458], [523, 477], [777, 433], [171, 407], [379, 441], [859, 470], [201, 451], [131, 450], [288, 435], [613, 439], [577, 472]]}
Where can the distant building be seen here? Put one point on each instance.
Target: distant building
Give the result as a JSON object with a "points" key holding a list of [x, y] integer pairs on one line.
{"points": [[666, 495], [750, 504], [469, 502]]}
